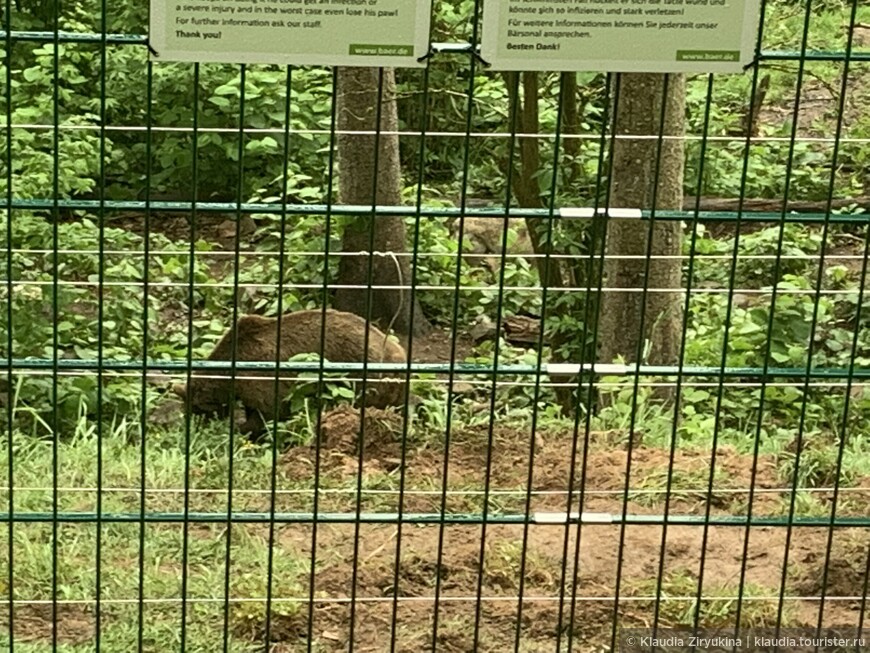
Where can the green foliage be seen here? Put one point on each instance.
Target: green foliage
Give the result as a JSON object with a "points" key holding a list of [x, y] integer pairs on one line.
{"points": [[303, 402], [514, 395], [67, 320], [34, 158], [819, 462]]}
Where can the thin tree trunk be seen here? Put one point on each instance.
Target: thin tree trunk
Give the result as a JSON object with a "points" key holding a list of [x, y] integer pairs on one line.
{"points": [[357, 111], [525, 180], [570, 125], [635, 176], [527, 191]]}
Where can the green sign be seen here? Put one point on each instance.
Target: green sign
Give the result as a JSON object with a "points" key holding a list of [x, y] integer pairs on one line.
{"points": [[392, 33], [620, 35]]}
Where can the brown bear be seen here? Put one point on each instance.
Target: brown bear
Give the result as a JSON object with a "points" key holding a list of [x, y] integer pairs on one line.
{"points": [[300, 334]]}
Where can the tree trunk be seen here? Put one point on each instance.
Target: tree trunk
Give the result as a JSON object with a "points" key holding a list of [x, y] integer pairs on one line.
{"points": [[527, 191], [570, 126], [634, 186], [525, 180], [358, 111]]}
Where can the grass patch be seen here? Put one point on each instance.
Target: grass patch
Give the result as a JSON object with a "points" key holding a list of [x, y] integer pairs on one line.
{"points": [[718, 606]]}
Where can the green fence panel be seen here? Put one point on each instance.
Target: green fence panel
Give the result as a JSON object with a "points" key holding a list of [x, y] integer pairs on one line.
{"points": [[525, 489]]}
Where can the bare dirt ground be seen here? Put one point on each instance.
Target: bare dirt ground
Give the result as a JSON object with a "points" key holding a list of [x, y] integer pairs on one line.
{"points": [[219, 228], [549, 584], [562, 599]]}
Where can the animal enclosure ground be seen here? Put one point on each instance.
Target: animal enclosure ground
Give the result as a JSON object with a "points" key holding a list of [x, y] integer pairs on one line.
{"points": [[372, 566], [605, 463]]}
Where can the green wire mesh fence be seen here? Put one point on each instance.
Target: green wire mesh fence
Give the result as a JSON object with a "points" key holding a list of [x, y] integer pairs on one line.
{"points": [[617, 380]]}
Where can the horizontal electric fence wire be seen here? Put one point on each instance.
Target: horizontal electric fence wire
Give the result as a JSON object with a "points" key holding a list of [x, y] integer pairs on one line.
{"points": [[609, 367]]}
